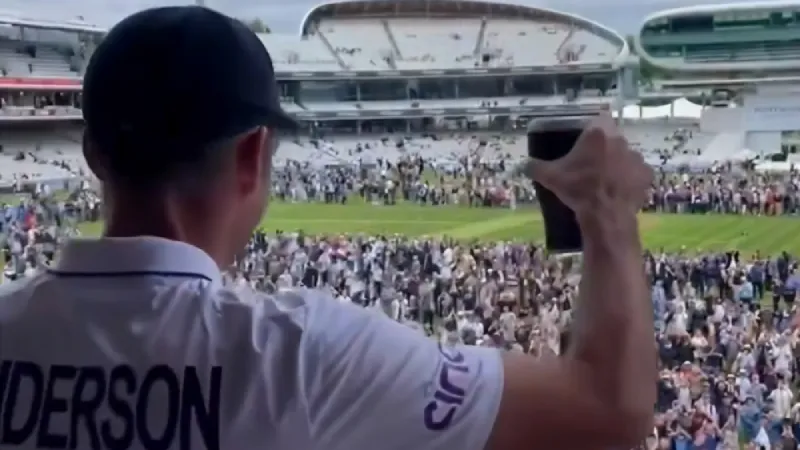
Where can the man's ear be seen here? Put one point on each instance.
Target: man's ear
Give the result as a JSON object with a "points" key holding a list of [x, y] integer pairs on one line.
{"points": [[252, 160]]}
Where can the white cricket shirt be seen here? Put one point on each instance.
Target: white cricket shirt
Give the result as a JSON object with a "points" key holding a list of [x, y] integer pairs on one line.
{"points": [[134, 343]]}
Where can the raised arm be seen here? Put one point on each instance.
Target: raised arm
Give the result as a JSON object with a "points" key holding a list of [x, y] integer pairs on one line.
{"points": [[602, 391]]}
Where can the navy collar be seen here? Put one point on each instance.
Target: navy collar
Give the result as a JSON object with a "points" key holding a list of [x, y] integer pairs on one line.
{"points": [[135, 256]]}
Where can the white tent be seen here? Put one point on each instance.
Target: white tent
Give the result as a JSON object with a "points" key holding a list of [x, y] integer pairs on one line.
{"points": [[744, 154], [655, 112], [773, 166], [645, 112], [684, 108], [679, 109], [631, 112]]}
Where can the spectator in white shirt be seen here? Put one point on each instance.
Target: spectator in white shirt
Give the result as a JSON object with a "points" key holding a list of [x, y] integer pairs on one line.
{"points": [[782, 398]]}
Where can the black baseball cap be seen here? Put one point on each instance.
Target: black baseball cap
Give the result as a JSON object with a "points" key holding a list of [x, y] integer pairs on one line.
{"points": [[166, 80]]}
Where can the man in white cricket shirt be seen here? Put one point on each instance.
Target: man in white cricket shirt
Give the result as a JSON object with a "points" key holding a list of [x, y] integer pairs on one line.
{"points": [[130, 341]]}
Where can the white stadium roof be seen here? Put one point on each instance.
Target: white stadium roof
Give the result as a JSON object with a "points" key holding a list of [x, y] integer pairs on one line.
{"points": [[466, 29], [73, 25], [486, 7], [722, 7]]}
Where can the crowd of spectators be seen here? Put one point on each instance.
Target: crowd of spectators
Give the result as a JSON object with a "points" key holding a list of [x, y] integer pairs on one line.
{"points": [[722, 321]]}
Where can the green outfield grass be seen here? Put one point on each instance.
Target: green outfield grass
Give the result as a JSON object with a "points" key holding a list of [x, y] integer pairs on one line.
{"points": [[696, 233]]}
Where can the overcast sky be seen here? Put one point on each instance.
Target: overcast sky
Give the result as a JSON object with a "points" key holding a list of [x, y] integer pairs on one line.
{"points": [[285, 15]]}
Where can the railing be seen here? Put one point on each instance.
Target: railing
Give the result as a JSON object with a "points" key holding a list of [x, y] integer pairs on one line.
{"points": [[560, 50], [392, 40], [749, 55], [391, 61], [481, 36], [331, 49]]}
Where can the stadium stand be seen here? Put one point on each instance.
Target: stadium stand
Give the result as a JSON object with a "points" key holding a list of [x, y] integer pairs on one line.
{"points": [[745, 52], [361, 44], [296, 54], [743, 35], [511, 41], [49, 54], [460, 43], [13, 112], [342, 37], [403, 44], [389, 36], [660, 141], [445, 103], [34, 60], [724, 144], [52, 154], [40, 155]]}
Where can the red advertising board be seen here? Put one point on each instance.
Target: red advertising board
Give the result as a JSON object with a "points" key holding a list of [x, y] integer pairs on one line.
{"points": [[39, 83]]}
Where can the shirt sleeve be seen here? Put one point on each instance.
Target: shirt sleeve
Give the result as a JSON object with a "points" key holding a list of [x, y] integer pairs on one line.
{"points": [[371, 381]]}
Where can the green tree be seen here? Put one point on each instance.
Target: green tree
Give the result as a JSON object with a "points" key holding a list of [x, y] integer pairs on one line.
{"points": [[257, 25]]}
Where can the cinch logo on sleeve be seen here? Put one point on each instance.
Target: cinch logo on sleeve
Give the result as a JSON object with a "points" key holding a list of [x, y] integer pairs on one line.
{"points": [[107, 408], [450, 387]]}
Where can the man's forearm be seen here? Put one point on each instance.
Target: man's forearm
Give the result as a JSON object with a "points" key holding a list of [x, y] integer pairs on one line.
{"points": [[613, 331]]}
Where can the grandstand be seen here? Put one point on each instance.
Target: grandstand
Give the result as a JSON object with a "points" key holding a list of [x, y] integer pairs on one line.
{"points": [[42, 52], [384, 79], [742, 38], [388, 36], [657, 140]]}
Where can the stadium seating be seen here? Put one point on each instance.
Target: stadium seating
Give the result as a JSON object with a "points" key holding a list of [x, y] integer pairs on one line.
{"points": [[457, 42], [661, 142], [769, 51], [448, 103], [44, 113], [290, 106], [360, 43], [658, 140], [55, 154], [594, 48], [442, 151], [37, 60], [40, 155], [303, 151], [509, 44], [291, 53], [402, 44], [429, 44], [724, 145]]}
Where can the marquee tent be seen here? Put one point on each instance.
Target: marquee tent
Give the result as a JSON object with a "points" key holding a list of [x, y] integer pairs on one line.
{"points": [[680, 108]]}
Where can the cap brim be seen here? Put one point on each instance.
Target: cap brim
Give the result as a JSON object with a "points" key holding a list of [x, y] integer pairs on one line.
{"points": [[283, 121]]}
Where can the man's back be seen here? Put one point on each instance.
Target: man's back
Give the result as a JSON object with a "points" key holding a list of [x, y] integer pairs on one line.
{"points": [[107, 365], [127, 335]]}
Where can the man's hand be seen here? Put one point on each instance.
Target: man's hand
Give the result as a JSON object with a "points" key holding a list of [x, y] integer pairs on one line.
{"points": [[601, 173]]}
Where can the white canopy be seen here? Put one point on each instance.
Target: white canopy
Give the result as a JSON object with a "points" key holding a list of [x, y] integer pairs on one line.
{"points": [[680, 108], [685, 108]]}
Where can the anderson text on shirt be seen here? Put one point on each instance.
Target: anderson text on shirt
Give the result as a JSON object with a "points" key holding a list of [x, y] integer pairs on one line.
{"points": [[107, 408]]}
